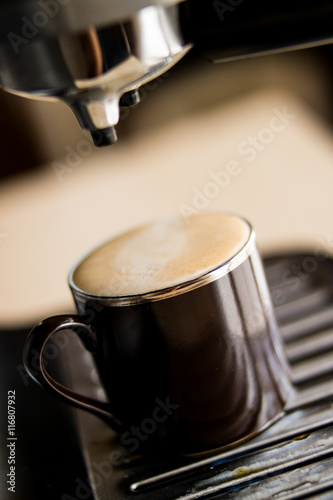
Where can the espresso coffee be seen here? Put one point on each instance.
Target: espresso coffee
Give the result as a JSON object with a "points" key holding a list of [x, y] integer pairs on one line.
{"points": [[180, 323], [161, 255]]}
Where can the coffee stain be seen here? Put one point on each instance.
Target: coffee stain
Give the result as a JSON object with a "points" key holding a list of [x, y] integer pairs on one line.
{"points": [[245, 471], [301, 437]]}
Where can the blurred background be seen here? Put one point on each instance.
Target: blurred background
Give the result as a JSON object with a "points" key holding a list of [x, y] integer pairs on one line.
{"points": [[250, 136], [253, 137]]}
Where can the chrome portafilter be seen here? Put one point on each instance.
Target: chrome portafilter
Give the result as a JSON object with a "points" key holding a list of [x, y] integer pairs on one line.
{"points": [[93, 56]]}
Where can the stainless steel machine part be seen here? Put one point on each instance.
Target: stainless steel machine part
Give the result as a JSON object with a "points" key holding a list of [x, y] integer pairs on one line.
{"points": [[95, 55], [91, 55]]}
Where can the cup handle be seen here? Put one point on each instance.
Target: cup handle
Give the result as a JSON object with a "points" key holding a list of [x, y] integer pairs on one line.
{"points": [[33, 362]]}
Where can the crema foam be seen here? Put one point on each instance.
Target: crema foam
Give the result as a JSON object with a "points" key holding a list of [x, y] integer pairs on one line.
{"points": [[161, 255]]}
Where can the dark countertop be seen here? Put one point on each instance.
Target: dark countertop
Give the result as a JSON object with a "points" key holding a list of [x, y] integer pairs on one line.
{"points": [[48, 462]]}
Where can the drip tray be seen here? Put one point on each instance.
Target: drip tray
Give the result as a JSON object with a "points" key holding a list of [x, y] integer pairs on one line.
{"points": [[292, 459]]}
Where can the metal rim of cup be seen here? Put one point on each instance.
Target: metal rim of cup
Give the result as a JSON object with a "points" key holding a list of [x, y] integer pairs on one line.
{"points": [[174, 290]]}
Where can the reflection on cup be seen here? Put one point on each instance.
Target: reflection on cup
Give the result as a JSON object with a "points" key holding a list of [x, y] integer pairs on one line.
{"points": [[180, 322]]}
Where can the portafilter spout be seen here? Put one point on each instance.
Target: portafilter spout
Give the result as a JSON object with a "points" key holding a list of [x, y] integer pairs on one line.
{"points": [[94, 56]]}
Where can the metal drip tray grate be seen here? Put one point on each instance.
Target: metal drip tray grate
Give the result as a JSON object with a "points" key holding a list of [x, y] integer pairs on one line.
{"points": [[292, 459]]}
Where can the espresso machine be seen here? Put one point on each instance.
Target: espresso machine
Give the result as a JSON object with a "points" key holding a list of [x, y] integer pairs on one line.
{"points": [[95, 56]]}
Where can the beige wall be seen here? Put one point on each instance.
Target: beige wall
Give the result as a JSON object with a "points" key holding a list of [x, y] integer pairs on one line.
{"points": [[172, 148]]}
